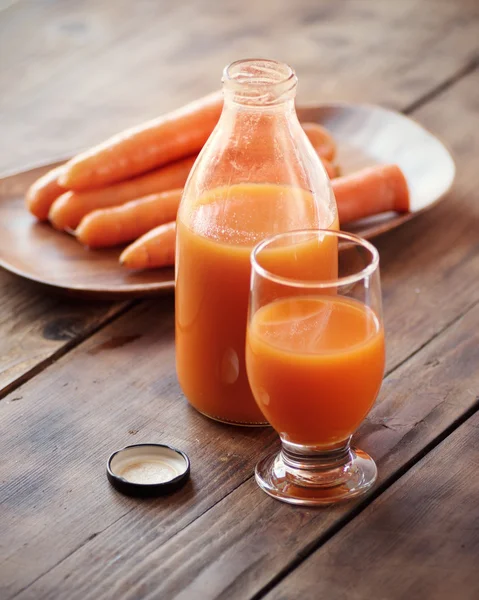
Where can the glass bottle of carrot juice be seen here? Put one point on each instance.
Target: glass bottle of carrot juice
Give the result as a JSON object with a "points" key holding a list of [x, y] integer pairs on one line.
{"points": [[258, 174]]}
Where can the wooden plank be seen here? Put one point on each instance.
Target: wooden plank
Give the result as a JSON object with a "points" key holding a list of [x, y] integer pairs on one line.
{"points": [[37, 327], [241, 542], [152, 56], [234, 549], [418, 540]]}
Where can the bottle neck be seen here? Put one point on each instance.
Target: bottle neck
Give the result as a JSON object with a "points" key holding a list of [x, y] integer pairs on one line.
{"points": [[259, 85], [234, 105]]}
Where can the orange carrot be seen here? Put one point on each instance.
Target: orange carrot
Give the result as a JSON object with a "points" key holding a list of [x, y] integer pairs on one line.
{"points": [[155, 249], [70, 208], [112, 226], [321, 139], [145, 147], [371, 191], [42, 193]]}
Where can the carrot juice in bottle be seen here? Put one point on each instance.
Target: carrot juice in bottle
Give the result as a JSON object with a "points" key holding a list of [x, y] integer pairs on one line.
{"points": [[257, 175]]}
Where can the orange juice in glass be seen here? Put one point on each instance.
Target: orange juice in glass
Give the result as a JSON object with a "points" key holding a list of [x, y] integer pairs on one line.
{"points": [[315, 361]]}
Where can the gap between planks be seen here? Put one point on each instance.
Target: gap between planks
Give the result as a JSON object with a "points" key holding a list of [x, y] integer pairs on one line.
{"points": [[432, 338], [441, 87], [67, 346]]}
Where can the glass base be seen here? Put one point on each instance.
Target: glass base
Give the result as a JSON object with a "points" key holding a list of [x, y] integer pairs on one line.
{"points": [[299, 475]]}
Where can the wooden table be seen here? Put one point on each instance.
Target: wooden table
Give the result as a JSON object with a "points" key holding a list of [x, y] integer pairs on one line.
{"points": [[80, 379]]}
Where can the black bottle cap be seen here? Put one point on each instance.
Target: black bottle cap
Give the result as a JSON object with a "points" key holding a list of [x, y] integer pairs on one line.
{"points": [[148, 469]]}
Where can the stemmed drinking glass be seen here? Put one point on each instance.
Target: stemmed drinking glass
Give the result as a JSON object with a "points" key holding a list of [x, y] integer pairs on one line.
{"points": [[315, 360]]}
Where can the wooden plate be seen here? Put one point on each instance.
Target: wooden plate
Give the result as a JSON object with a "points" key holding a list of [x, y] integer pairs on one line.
{"points": [[369, 135], [366, 135]]}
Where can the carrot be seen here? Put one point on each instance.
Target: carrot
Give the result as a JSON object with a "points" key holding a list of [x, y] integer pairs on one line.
{"points": [[42, 193], [70, 208], [321, 139], [112, 226], [145, 147], [155, 249], [371, 191]]}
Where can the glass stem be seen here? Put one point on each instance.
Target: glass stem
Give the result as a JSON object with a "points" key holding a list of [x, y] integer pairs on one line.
{"points": [[306, 465]]}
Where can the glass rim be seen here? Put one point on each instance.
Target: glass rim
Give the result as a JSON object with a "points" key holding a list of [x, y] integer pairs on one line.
{"points": [[366, 271], [285, 83]]}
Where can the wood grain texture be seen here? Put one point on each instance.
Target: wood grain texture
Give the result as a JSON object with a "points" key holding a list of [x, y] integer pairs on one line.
{"points": [[418, 540], [119, 387], [242, 541], [79, 71], [36, 328]]}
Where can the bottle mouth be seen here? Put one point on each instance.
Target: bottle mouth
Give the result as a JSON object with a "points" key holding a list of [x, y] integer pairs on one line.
{"points": [[259, 81]]}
